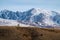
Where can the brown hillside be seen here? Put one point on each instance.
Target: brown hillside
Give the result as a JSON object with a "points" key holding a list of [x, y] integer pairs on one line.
{"points": [[28, 33]]}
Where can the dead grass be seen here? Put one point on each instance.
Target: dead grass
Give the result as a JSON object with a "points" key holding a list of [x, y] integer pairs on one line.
{"points": [[28, 33]]}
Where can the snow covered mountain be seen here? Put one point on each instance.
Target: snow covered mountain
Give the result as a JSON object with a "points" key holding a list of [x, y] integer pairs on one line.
{"points": [[34, 17], [6, 22]]}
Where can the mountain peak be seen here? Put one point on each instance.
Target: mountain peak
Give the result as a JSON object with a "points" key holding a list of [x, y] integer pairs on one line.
{"points": [[37, 11], [34, 16]]}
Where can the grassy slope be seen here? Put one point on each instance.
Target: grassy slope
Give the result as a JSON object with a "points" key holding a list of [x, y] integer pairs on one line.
{"points": [[22, 33]]}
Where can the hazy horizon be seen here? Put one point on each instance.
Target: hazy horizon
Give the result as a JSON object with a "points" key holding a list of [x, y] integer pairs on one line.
{"points": [[22, 5]]}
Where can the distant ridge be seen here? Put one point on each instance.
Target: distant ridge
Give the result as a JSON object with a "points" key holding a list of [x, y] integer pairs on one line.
{"points": [[34, 17]]}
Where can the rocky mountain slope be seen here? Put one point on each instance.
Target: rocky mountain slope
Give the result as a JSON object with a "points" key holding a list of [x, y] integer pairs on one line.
{"points": [[34, 17]]}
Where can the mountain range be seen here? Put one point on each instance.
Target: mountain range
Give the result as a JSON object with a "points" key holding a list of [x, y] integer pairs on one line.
{"points": [[32, 17]]}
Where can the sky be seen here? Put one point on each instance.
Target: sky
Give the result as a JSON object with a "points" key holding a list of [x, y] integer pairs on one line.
{"points": [[23, 5]]}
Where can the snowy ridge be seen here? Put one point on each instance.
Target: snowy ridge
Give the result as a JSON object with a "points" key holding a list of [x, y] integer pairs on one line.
{"points": [[6, 22], [33, 17]]}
